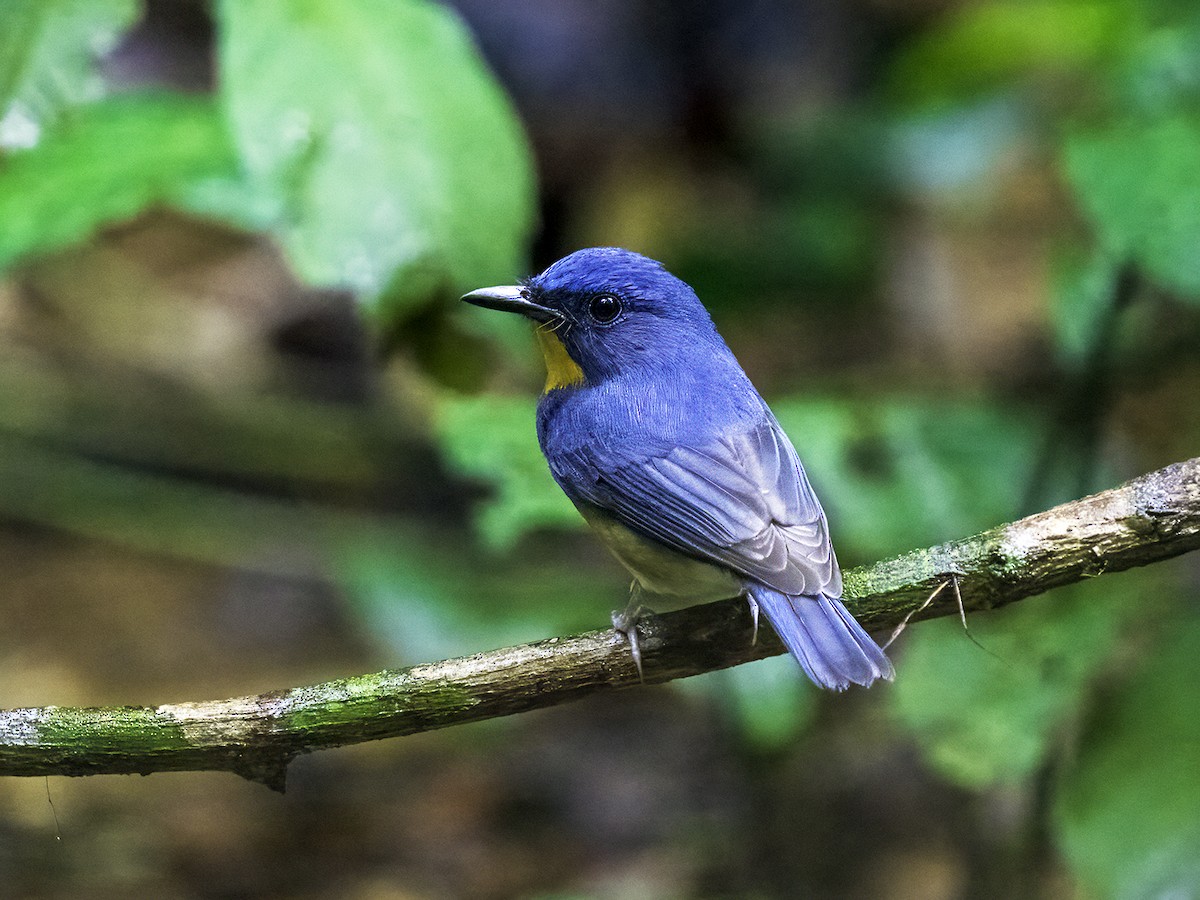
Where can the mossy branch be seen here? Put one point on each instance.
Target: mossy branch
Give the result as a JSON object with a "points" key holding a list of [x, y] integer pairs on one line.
{"points": [[1151, 518]]}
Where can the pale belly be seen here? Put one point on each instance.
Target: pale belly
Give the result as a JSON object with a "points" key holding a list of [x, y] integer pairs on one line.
{"points": [[661, 571]]}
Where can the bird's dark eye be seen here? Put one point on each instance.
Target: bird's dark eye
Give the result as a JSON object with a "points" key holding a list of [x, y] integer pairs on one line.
{"points": [[604, 308]]}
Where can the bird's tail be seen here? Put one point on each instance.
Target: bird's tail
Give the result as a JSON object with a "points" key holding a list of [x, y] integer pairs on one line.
{"points": [[830, 646]]}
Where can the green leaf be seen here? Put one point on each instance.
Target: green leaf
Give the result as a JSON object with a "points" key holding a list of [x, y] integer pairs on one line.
{"points": [[403, 171], [493, 438], [987, 716], [1138, 183], [1128, 813], [108, 162], [47, 54]]}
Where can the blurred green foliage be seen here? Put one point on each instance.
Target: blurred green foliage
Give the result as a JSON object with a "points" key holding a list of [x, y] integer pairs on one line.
{"points": [[416, 593], [903, 471], [491, 438], [987, 46], [816, 226], [1127, 810], [1111, 90], [990, 712], [371, 143], [47, 53], [769, 704], [1138, 182], [400, 168], [383, 157], [75, 181], [1082, 298]]}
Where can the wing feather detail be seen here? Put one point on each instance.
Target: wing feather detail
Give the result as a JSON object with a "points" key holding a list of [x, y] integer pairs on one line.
{"points": [[742, 501]]}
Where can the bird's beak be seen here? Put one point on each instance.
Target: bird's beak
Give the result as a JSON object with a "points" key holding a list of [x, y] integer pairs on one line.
{"points": [[511, 298]]}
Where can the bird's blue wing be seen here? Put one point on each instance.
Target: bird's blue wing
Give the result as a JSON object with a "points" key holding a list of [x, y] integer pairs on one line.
{"points": [[741, 500]]}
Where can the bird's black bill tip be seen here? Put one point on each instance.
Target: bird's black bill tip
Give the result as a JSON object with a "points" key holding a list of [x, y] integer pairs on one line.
{"points": [[511, 298]]}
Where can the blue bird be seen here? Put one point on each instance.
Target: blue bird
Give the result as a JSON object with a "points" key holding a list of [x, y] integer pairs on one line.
{"points": [[657, 436]]}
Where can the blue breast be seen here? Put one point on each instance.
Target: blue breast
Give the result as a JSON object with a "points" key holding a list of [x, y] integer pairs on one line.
{"points": [[635, 416]]}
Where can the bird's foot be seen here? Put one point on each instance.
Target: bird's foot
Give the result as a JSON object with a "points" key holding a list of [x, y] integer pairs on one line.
{"points": [[624, 622], [753, 615]]}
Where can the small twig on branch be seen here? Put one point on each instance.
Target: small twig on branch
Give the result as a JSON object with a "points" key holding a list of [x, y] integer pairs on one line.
{"points": [[1151, 518]]}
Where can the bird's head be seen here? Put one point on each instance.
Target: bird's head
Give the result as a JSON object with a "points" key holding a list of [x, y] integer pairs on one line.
{"points": [[605, 311]]}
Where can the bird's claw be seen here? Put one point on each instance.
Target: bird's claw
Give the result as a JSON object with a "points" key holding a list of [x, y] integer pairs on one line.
{"points": [[624, 622]]}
